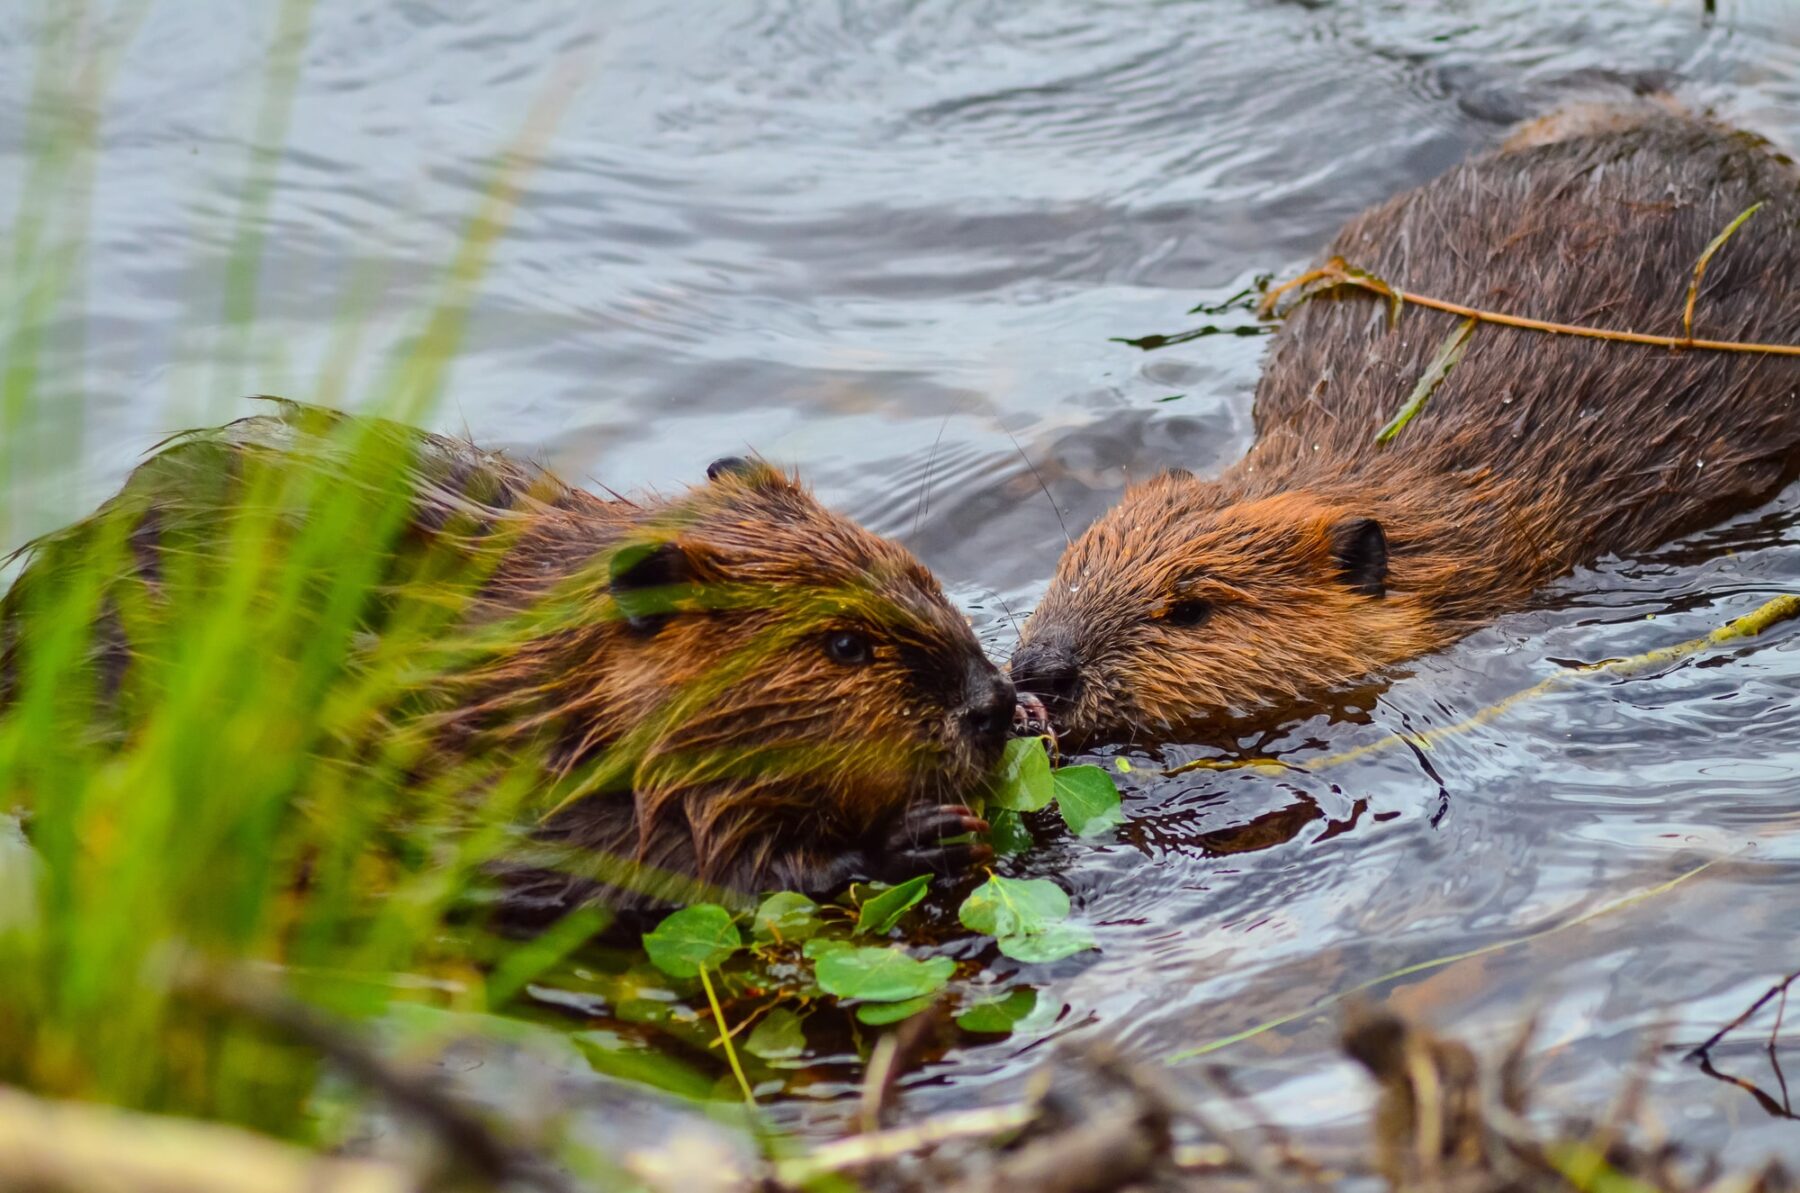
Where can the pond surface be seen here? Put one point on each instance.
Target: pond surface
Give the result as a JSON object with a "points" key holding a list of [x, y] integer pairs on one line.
{"points": [[893, 244]]}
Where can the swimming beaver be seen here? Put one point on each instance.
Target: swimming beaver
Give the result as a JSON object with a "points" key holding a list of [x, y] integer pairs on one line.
{"points": [[736, 685], [1322, 555]]}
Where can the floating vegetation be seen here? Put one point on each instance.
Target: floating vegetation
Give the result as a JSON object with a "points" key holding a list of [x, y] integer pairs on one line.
{"points": [[1151, 342], [1246, 302], [1706, 256], [791, 949], [1448, 354]]}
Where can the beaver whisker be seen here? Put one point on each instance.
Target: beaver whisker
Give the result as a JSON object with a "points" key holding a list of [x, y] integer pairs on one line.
{"points": [[1044, 488], [925, 486]]}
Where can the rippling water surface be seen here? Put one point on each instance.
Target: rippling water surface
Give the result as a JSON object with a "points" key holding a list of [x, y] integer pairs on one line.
{"points": [[893, 244]]}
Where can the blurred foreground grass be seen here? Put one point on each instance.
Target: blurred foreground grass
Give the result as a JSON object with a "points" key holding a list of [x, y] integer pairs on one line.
{"points": [[226, 856]]}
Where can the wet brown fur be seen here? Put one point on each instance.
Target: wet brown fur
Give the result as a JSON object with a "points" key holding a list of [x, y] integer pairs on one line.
{"points": [[1539, 453], [709, 736]]}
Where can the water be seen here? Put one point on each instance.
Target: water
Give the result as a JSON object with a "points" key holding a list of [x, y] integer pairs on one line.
{"points": [[891, 243]]}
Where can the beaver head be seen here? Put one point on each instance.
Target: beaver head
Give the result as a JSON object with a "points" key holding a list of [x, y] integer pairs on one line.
{"points": [[754, 670], [1184, 604]]}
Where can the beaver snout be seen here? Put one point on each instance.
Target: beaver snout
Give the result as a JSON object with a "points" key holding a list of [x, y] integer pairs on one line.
{"points": [[987, 710], [1048, 669]]}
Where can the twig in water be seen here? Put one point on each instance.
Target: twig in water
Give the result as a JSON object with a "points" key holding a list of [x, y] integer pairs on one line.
{"points": [[1779, 989], [895, 1054], [1241, 1151], [1291, 1156]]}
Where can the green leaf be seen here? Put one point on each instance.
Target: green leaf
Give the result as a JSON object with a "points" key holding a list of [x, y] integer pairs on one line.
{"points": [[881, 975], [1007, 833], [1123, 765], [1087, 799], [1448, 353], [999, 1015], [879, 1014], [779, 1036], [1022, 780], [823, 946], [693, 938], [882, 912], [784, 916], [1014, 906], [1052, 944]]}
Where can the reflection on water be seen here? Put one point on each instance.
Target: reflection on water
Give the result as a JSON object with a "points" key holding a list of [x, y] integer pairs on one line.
{"points": [[894, 243]]}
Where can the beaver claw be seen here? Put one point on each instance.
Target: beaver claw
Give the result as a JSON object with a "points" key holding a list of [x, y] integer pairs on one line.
{"points": [[916, 846], [1030, 717]]}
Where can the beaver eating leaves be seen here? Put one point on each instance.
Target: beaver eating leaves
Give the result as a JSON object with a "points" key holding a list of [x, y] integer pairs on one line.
{"points": [[734, 685], [1324, 555]]}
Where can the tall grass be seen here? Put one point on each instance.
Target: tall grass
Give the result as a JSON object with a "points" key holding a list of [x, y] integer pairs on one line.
{"points": [[224, 815]]}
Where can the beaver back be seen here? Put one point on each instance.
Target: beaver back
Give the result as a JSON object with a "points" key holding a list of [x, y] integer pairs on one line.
{"points": [[1607, 447]]}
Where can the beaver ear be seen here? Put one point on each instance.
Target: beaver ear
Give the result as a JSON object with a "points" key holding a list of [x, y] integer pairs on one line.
{"points": [[751, 471], [1359, 548], [645, 578]]}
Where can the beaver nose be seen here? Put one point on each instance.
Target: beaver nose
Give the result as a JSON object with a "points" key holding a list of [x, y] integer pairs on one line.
{"points": [[1049, 671], [988, 705]]}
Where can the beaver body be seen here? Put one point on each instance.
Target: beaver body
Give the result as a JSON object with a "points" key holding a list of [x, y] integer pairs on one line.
{"points": [[1324, 555], [733, 686]]}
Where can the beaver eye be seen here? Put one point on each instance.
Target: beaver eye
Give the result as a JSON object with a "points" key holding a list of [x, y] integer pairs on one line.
{"points": [[848, 647], [1187, 613]]}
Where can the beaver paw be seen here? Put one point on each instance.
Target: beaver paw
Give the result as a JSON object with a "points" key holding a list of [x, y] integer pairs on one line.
{"points": [[1030, 717], [916, 846]]}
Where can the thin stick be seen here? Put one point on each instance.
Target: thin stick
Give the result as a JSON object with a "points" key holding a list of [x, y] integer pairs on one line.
{"points": [[1246, 1154], [1706, 256], [725, 1039], [1428, 1107], [1753, 1008], [1337, 272], [857, 1151]]}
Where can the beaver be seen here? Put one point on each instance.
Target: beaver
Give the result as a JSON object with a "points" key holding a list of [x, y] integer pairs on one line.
{"points": [[1324, 556], [733, 685]]}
